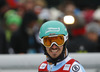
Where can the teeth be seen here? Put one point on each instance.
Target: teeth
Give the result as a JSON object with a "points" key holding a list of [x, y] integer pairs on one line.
{"points": [[54, 50]]}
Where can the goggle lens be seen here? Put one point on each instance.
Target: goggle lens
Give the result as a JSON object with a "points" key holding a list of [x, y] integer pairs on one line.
{"points": [[49, 40]]}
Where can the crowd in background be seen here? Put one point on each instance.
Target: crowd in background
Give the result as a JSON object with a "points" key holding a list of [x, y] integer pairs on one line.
{"points": [[20, 21]]}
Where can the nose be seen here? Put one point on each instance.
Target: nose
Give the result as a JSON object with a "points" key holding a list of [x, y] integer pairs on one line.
{"points": [[54, 46]]}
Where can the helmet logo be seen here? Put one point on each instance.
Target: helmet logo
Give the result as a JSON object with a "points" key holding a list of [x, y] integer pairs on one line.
{"points": [[52, 34], [52, 30]]}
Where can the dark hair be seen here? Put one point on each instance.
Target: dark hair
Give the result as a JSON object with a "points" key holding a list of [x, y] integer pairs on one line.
{"points": [[28, 17]]}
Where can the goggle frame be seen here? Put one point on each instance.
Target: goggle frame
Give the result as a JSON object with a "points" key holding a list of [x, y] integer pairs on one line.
{"points": [[65, 39]]}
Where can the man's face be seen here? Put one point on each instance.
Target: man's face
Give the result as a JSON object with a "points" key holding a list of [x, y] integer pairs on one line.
{"points": [[54, 51], [32, 24], [13, 27]]}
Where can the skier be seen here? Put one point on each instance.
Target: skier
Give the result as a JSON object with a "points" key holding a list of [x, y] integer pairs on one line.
{"points": [[54, 36]]}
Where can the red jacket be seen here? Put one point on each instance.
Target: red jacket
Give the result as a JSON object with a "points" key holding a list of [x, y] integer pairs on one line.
{"points": [[43, 66]]}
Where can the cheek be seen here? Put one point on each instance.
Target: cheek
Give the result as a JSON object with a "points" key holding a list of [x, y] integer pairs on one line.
{"points": [[47, 49], [61, 48]]}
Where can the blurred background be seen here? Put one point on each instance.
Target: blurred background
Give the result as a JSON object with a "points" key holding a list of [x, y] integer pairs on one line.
{"points": [[20, 21]]}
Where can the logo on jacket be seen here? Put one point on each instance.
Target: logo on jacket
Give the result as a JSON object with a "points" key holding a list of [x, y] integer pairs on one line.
{"points": [[66, 67], [43, 65], [76, 68]]}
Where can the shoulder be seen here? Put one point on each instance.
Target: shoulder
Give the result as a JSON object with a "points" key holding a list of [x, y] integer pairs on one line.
{"points": [[77, 67], [43, 65]]}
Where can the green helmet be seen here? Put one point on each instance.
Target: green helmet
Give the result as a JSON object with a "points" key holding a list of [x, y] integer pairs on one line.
{"points": [[52, 28], [10, 12], [16, 19]]}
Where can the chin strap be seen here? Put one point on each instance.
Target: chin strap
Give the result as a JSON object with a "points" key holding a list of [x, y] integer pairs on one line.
{"points": [[61, 57]]}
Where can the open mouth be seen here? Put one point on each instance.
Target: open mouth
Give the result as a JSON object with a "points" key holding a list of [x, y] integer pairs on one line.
{"points": [[54, 50]]}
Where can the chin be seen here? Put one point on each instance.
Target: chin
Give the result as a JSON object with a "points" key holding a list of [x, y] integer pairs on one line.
{"points": [[54, 56]]}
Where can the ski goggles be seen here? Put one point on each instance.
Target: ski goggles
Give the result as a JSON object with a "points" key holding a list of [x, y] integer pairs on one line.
{"points": [[48, 41]]}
